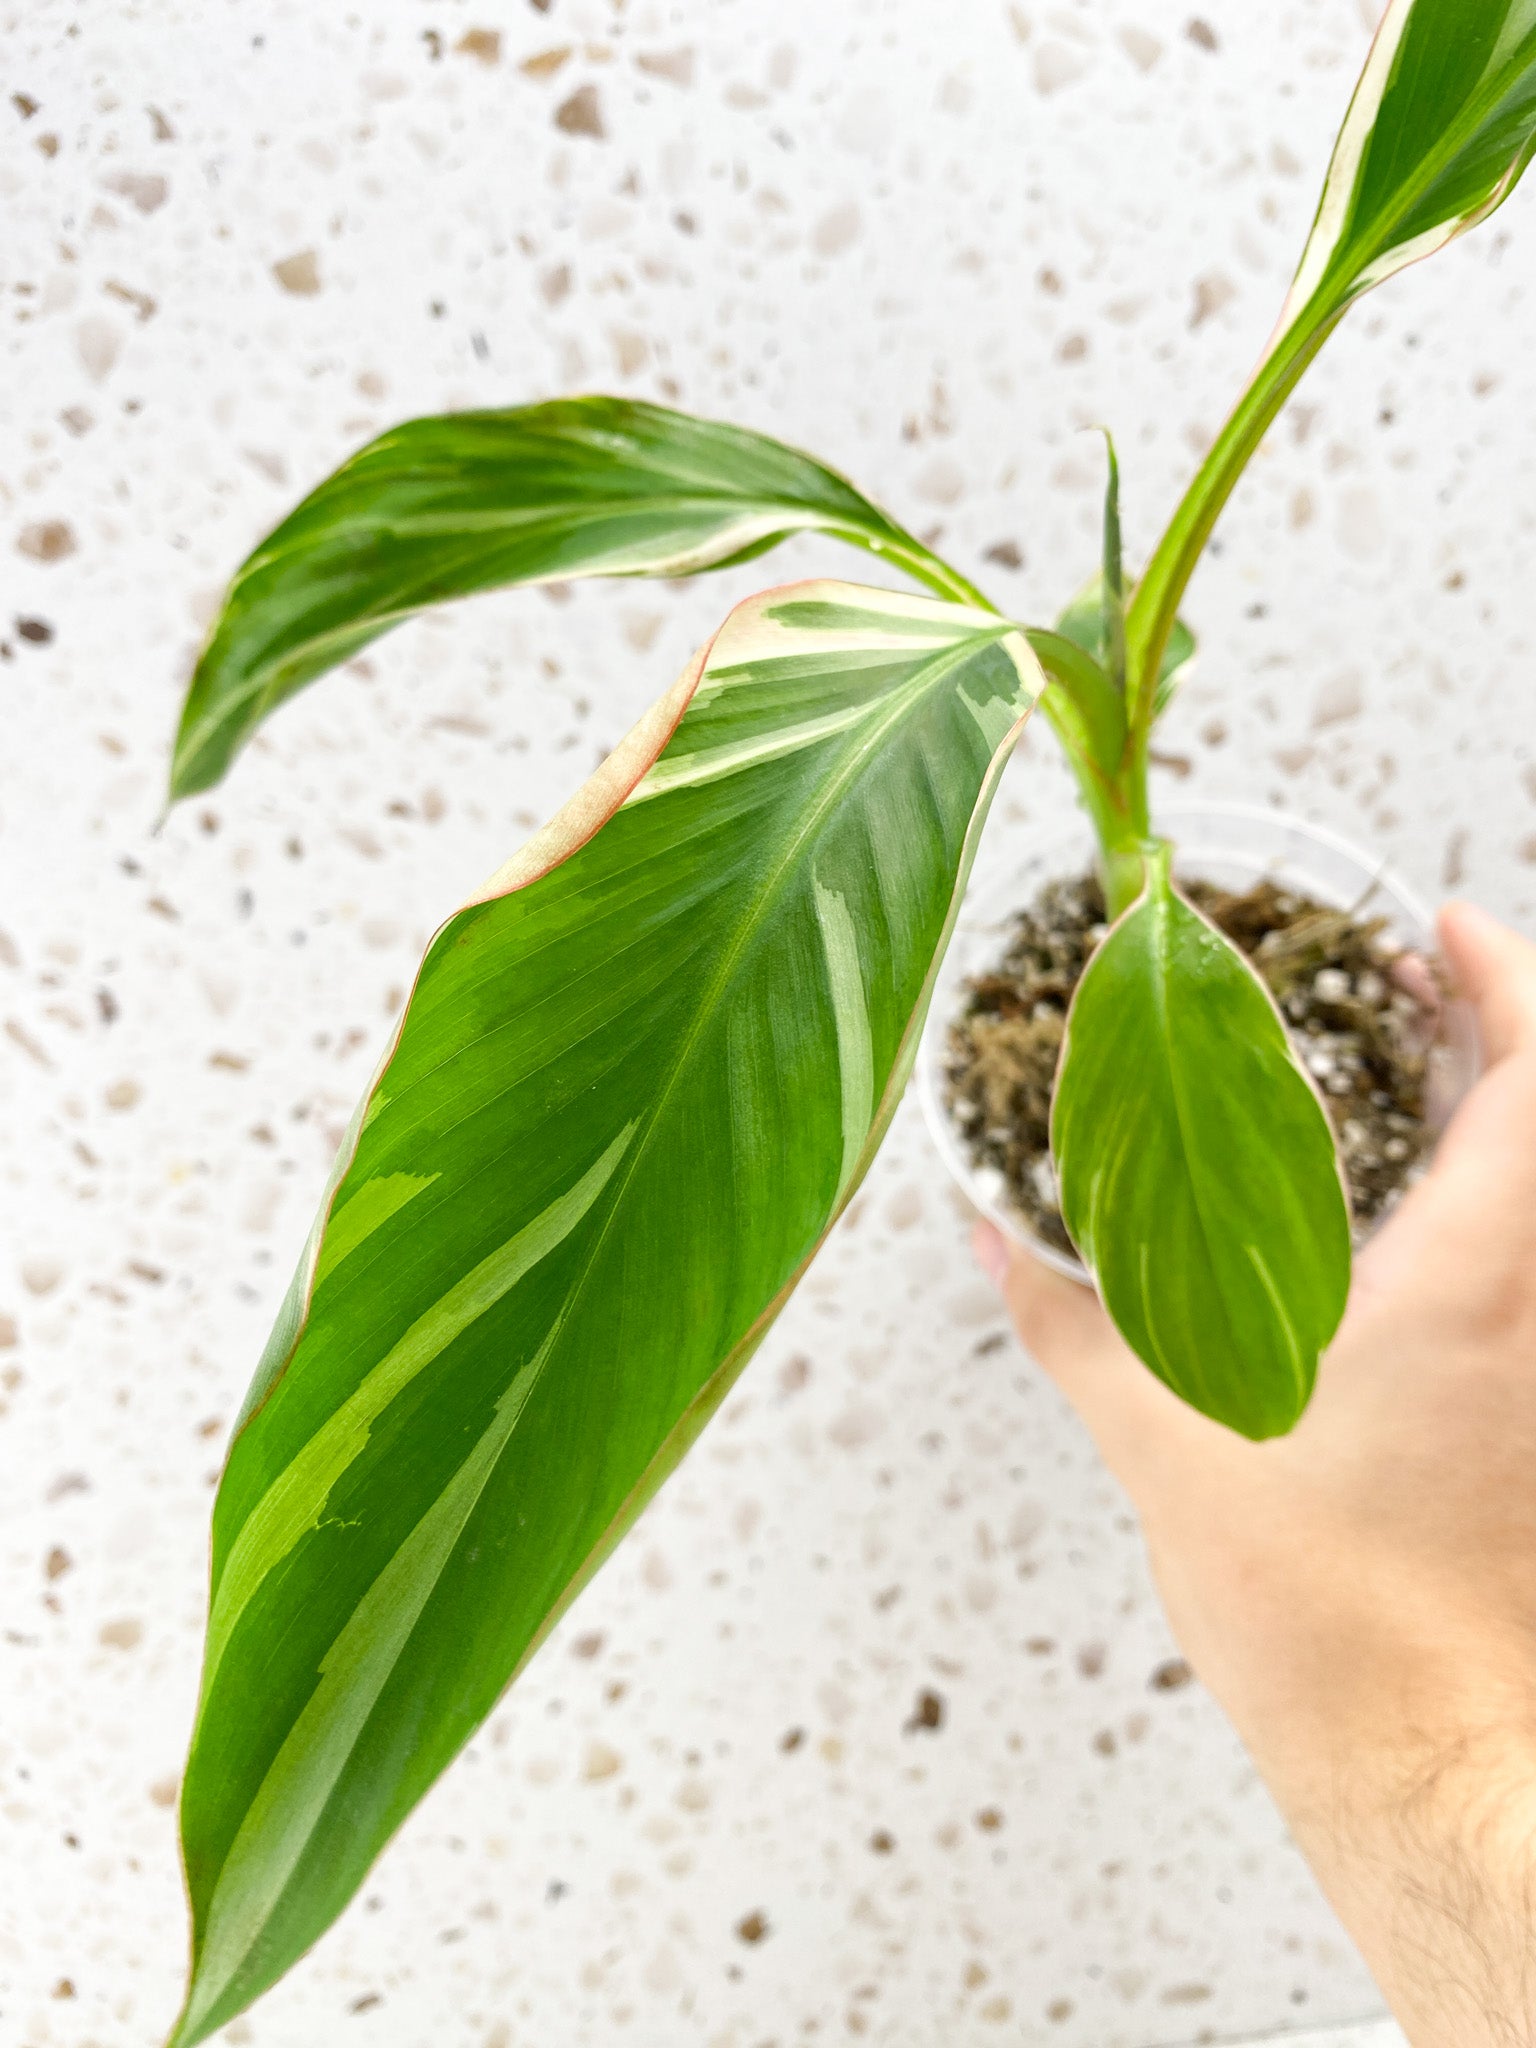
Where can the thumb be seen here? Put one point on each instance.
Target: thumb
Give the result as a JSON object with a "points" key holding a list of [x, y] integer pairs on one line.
{"points": [[1496, 971]]}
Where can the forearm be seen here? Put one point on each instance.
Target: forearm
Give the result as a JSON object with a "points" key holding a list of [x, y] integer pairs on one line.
{"points": [[1391, 1710], [1408, 1778], [1433, 1871]]}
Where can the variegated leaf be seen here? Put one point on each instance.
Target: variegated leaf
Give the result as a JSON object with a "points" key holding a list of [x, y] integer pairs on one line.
{"points": [[636, 1082], [438, 508], [1442, 123], [1197, 1168]]}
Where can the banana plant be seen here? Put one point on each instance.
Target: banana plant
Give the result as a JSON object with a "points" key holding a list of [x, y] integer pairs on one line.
{"points": [[642, 1073]]}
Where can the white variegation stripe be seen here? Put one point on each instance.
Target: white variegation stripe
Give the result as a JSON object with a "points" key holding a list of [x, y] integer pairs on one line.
{"points": [[353, 1673], [708, 764], [1148, 1318], [1282, 1314], [1518, 24], [1406, 253], [754, 634], [736, 656], [850, 1015], [295, 1501], [1343, 177], [996, 716], [1103, 1187], [742, 533]]}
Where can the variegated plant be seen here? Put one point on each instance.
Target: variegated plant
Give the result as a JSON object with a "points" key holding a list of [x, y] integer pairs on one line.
{"points": [[642, 1073]]}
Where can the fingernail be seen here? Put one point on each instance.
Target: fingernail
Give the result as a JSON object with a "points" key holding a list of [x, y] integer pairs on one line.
{"points": [[991, 1252]]}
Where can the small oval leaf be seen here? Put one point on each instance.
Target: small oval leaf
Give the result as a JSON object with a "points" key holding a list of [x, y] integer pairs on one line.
{"points": [[1199, 1178]]}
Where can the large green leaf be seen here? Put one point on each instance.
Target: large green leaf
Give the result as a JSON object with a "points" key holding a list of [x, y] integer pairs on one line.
{"points": [[634, 1086], [438, 508], [1197, 1168], [1441, 125]]}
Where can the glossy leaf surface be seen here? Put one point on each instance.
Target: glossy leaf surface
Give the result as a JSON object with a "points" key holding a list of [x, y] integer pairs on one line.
{"points": [[439, 508], [1441, 125], [634, 1085], [1197, 1169]]}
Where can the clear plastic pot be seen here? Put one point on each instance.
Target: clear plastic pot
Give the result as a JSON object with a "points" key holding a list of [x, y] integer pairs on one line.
{"points": [[1230, 844]]}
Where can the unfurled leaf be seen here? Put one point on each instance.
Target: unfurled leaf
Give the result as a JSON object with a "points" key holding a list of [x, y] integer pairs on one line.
{"points": [[438, 508], [633, 1087], [1198, 1174], [1442, 123]]}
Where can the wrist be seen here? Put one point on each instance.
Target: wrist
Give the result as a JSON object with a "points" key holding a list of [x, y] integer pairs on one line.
{"points": [[1417, 1811], [1432, 1868], [1394, 1720]]}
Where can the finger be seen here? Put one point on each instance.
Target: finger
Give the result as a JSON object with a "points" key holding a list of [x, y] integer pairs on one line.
{"points": [[1453, 1230], [1451, 1225], [1495, 970]]}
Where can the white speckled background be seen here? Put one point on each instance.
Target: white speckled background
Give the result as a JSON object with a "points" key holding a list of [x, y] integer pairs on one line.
{"points": [[932, 243]]}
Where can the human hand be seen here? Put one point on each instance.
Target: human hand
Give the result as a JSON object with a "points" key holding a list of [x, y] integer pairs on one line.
{"points": [[1360, 1596]]}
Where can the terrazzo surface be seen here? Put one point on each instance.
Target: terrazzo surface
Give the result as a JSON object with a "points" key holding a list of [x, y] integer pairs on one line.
{"points": [[873, 1729]]}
